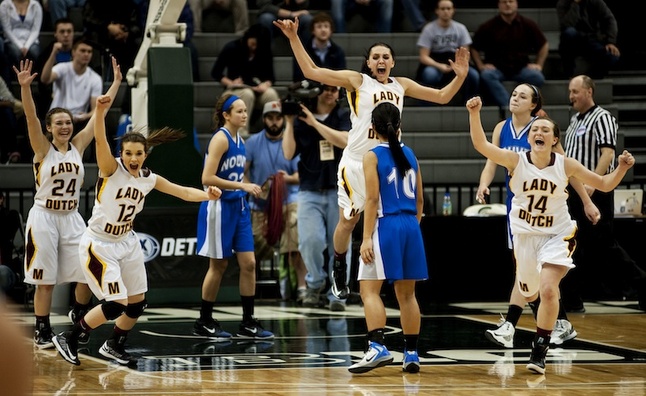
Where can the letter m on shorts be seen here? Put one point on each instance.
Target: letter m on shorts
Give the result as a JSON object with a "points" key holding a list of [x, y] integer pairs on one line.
{"points": [[37, 274], [113, 287]]}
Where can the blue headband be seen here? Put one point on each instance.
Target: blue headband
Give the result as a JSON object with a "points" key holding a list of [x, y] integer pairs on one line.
{"points": [[226, 106]]}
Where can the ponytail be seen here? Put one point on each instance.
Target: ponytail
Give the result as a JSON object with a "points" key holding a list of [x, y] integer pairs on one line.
{"points": [[386, 121]]}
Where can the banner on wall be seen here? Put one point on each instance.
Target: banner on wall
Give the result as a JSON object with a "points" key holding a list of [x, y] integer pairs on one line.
{"points": [[169, 243]]}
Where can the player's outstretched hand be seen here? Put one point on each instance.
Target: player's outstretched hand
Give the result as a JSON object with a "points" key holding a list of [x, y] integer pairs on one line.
{"points": [[461, 64], [24, 75], [116, 70], [288, 27]]}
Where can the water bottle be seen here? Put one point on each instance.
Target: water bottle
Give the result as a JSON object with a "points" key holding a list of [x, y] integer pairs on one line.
{"points": [[447, 207]]}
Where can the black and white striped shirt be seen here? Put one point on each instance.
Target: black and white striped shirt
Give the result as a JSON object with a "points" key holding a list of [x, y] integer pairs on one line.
{"points": [[588, 133]]}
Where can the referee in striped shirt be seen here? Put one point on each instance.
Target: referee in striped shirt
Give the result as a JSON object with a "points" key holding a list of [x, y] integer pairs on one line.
{"points": [[591, 139]]}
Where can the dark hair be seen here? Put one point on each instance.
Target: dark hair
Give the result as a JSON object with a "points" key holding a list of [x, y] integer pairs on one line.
{"points": [[261, 34], [61, 21], [556, 129], [254, 31], [218, 118], [364, 68], [536, 98], [386, 120], [321, 17], [155, 137], [437, 5], [82, 40]]}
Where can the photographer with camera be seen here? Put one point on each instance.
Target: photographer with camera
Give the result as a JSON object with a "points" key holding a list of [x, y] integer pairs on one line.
{"points": [[273, 213], [319, 135]]}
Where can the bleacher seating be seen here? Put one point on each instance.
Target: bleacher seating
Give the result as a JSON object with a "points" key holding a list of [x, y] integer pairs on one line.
{"points": [[438, 133], [429, 119]]}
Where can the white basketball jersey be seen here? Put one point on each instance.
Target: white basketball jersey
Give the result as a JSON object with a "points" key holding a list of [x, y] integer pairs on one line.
{"points": [[118, 200], [362, 101], [59, 178], [539, 205]]}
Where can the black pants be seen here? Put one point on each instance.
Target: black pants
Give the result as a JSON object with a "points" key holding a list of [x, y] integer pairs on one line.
{"points": [[573, 43], [8, 135], [603, 268]]}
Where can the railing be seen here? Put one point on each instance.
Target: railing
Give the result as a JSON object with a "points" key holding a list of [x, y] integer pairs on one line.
{"points": [[22, 199], [463, 195]]}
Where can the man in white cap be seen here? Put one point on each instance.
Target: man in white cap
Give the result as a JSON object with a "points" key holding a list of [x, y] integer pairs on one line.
{"points": [[274, 220]]}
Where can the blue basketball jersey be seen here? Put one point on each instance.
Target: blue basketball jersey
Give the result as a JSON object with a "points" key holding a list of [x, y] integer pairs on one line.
{"points": [[232, 163], [224, 226], [397, 238], [396, 194]]}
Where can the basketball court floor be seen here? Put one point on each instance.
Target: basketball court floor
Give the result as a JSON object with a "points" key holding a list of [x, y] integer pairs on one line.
{"points": [[313, 348]]}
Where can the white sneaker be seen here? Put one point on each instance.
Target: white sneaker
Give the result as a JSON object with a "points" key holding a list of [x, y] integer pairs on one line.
{"points": [[563, 331], [377, 356], [503, 335]]}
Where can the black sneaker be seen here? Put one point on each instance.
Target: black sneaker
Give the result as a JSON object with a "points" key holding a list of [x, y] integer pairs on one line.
{"points": [[67, 346], [114, 350], [84, 338], [43, 338], [211, 329], [537, 357], [339, 280], [253, 330]]}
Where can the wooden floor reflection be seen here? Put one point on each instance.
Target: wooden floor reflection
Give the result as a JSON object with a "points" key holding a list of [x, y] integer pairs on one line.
{"points": [[314, 347]]}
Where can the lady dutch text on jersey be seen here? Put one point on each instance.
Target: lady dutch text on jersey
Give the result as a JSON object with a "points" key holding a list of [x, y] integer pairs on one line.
{"points": [[539, 220], [130, 193], [61, 204], [65, 167]]}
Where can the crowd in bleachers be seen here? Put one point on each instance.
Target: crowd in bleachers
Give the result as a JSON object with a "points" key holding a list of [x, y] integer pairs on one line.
{"points": [[116, 29]]}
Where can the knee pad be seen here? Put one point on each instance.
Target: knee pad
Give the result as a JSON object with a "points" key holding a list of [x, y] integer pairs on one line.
{"points": [[112, 310], [136, 310]]}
